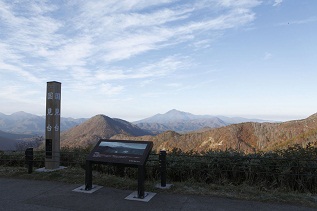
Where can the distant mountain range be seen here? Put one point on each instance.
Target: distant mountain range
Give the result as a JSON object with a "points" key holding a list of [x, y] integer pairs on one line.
{"points": [[248, 137], [26, 123], [24, 127], [181, 122], [86, 132], [9, 141]]}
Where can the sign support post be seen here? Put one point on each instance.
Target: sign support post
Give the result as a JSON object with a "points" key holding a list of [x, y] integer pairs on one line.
{"points": [[120, 153], [141, 178], [52, 126]]}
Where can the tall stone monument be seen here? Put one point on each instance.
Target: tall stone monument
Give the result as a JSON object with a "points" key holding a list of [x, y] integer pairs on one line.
{"points": [[52, 126]]}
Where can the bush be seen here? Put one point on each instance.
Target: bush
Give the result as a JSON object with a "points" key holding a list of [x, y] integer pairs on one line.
{"points": [[291, 169]]}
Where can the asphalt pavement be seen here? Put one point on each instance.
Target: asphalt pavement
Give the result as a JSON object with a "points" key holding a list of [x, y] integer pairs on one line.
{"points": [[17, 194]]}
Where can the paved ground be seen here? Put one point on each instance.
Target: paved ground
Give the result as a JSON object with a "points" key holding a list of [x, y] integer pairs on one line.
{"points": [[32, 195]]}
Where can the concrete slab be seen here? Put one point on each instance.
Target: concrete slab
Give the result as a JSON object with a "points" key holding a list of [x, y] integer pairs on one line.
{"points": [[168, 186], [134, 196], [81, 189]]}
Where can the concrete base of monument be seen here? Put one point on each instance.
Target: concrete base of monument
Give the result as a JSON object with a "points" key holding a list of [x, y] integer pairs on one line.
{"points": [[81, 189], [167, 186], [49, 170], [134, 196]]}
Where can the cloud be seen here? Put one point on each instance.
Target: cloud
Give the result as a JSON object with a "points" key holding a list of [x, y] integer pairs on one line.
{"points": [[109, 31], [23, 36], [298, 22], [146, 28], [277, 3], [109, 89], [240, 3], [267, 56], [73, 53], [174, 85], [160, 68], [18, 93], [85, 44], [201, 44]]}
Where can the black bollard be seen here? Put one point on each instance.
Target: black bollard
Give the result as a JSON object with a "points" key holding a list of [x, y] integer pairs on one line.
{"points": [[29, 159], [88, 175], [162, 160]]}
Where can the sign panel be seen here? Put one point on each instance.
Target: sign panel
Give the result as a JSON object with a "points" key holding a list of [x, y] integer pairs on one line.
{"points": [[121, 151]]}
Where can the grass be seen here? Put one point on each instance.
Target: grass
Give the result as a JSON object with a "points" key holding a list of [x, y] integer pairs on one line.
{"points": [[76, 175]]}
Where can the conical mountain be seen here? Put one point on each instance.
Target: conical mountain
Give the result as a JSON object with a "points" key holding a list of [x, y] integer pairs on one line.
{"points": [[173, 116], [179, 121], [100, 126]]}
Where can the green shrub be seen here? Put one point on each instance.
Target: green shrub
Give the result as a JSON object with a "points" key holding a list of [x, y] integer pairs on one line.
{"points": [[291, 169]]}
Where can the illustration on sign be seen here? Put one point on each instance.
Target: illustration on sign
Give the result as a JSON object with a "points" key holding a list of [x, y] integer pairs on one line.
{"points": [[121, 151], [121, 148]]}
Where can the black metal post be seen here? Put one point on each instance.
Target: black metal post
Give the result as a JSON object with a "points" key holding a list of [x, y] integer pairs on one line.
{"points": [[88, 175], [141, 178], [162, 161], [29, 159]]}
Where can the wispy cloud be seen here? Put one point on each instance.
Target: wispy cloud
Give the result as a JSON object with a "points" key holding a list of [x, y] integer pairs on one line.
{"points": [[145, 71], [298, 22], [18, 93], [277, 3], [109, 89], [267, 56], [84, 42]]}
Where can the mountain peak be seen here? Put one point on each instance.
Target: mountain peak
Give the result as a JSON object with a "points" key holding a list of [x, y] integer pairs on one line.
{"points": [[172, 115], [177, 112], [97, 127], [100, 117], [21, 114], [174, 111], [178, 121]]}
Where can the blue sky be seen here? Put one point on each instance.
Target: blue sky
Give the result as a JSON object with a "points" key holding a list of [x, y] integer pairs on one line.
{"points": [[132, 59]]}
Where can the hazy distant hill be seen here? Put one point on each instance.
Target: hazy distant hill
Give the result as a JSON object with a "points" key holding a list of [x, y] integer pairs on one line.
{"points": [[97, 127], [25, 123], [8, 141], [180, 121], [247, 137]]}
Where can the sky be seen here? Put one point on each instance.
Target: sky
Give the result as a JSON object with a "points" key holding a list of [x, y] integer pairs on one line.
{"points": [[132, 59]]}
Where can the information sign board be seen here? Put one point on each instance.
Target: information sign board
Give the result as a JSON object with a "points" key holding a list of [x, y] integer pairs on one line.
{"points": [[121, 151]]}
